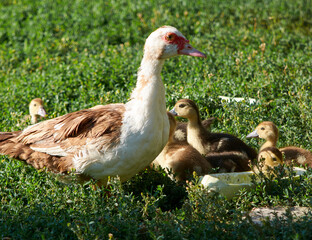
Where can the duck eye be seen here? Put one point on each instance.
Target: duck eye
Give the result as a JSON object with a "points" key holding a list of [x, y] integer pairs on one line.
{"points": [[170, 37], [35, 105], [182, 105], [262, 128]]}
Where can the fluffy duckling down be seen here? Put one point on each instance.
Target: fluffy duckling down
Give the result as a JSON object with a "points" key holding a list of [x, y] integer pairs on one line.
{"points": [[269, 157], [208, 143], [269, 132], [36, 109], [181, 129], [180, 158], [231, 161]]}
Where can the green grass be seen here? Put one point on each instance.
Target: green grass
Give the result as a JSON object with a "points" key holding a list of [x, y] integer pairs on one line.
{"points": [[77, 53]]}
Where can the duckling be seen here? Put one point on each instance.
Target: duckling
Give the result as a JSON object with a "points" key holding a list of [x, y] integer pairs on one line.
{"points": [[269, 157], [181, 129], [206, 142], [36, 109], [269, 132], [181, 158]]}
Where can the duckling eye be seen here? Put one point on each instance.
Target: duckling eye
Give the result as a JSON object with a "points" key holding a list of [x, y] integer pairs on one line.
{"points": [[274, 159], [182, 105], [35, 105], [262, 128]]}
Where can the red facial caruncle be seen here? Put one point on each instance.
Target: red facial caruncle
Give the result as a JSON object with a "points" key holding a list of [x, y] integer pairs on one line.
{"points": [[175, 39]]}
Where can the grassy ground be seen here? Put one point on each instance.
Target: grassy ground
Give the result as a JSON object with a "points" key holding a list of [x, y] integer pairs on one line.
{"points": [[77, 53]]}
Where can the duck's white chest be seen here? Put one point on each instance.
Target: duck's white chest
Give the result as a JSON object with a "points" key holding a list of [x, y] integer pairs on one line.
{"points": [[140, 143], [144, 130]]}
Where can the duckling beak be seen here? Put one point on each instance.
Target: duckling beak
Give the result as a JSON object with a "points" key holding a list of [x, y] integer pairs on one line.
{"points": [[41, 112], [254, 134], [173, 112], [191, 51]]}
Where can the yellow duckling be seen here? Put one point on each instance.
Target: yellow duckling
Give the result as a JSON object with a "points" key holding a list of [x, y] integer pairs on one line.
{"points": [[269, 157], [36, 109], [269, 132], [181, 158]]}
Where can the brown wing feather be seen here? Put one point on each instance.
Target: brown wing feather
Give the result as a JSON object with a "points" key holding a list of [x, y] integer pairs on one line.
{"points": [[90, 123], [69, 132], [37, 159], [7, 135]]}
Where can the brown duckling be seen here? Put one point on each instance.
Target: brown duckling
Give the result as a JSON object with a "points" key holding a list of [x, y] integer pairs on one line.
{"points": [[181, 158], [269, 157], [206, 142], [269, 132], [181, 129], [36, 109]]}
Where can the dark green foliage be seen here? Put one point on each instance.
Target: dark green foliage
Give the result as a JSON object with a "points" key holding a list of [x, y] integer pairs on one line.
{"points": [[157, 183], [79, 53], [279, 187]]}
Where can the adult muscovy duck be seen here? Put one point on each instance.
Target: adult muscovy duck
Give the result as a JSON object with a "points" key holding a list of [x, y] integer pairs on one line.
{"points": [[109, 140]]}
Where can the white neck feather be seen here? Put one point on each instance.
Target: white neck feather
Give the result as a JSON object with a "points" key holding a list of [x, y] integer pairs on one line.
{"points": [[145, 125], [149, 95], [148, 75], [147, 107]]}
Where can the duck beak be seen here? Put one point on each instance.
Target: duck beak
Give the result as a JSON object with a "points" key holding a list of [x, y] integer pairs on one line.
{"points": [[173, 112], [254, 134], [42, 112], [191, 51]]}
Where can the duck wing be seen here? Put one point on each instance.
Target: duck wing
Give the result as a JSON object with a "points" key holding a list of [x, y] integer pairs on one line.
{"points": [[53, 143]]}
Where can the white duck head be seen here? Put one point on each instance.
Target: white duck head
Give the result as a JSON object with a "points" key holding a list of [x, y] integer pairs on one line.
{"points": [[168, 42]]}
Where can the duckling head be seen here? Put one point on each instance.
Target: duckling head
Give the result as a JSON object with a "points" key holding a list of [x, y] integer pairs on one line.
{"points": [[265, 130], [36, 109], [271, 157], [186, 108]]}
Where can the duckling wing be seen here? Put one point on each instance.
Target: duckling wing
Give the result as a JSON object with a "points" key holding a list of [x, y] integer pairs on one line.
{"points": [[300, 156], [222, 142]]}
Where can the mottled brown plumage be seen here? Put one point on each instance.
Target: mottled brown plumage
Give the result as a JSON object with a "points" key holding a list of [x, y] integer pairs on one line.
{"points": [[67, 133], [299, 156], [36, 159]]}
